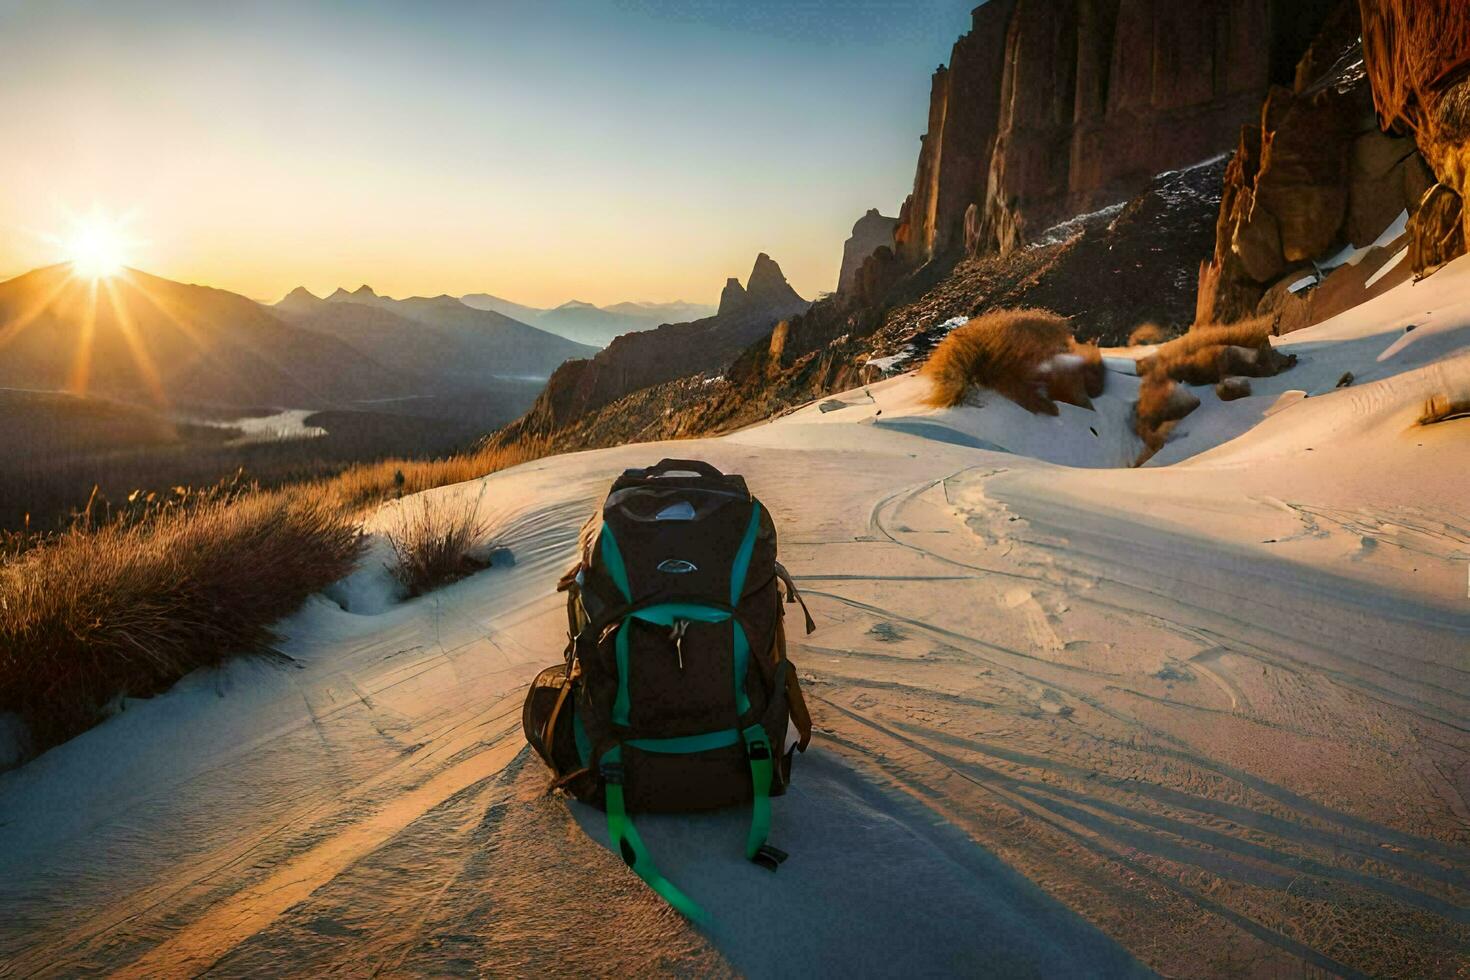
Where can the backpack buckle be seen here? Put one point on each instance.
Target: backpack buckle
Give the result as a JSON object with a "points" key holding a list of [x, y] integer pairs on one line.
{"points": [[759, 751], [769, 857], [612, 772]]}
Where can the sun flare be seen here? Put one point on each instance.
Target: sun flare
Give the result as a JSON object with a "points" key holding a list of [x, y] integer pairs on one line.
{"points": [[98, 247]]}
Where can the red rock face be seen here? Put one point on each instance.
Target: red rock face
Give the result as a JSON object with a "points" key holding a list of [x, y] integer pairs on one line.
{"points": [[1417, 54], [1054, 107], [954, 153], [1318, 173]]}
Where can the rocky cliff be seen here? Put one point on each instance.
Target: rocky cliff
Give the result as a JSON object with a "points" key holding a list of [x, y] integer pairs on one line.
{"points": [[1050, 108], [1322, 171]]}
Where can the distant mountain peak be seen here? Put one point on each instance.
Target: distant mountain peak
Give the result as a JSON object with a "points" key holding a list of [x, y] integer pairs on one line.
{"points": [[360, 294], [732, 296], [767, 286], [300, 293]]}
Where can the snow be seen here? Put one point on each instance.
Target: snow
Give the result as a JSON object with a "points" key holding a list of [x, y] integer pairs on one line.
{"points": [[1069, 712], [1349, 255], [887, 364]]}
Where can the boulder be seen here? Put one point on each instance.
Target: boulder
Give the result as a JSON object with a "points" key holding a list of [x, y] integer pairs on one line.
{"points": [[1231, 388], [1437, 229]]}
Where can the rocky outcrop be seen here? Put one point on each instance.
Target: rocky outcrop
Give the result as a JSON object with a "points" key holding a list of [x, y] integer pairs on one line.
{"points": [[1054, 107], [872, 232], [767, 293], [653, 357], [732, 296], [1417, 55], [1315, 175]]}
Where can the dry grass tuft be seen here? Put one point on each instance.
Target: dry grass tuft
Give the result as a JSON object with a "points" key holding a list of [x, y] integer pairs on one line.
{"points": [[129, 607], [130, 603], [369, 483], [1204, 356], [1027, 355], [432, 545], [1147, 333]]}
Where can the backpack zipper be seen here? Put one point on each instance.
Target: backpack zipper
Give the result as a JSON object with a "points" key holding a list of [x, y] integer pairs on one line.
{"points": [[677, 635]]}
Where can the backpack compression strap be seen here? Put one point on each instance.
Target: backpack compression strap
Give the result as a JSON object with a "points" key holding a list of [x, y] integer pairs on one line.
{"points": [[624, 835], [625, 838]]}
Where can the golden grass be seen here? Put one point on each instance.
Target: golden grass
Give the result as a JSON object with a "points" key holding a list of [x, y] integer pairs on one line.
{"points": [[433, 543], [1015, 352], [129, 607], [369, 483]]}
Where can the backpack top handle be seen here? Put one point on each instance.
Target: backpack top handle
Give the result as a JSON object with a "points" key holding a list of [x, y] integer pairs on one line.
{"points": [[698, 466]]}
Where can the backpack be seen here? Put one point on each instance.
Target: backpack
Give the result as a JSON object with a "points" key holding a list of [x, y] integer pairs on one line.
{"points": [[676, 691]]}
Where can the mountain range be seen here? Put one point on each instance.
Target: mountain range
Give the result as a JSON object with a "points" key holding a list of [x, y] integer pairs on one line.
{"points": [[453, 347], [589, 324], [142, 338], [139, 337]]}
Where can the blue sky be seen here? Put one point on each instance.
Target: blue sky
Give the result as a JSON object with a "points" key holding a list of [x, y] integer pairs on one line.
{"points": [[627, 149]]}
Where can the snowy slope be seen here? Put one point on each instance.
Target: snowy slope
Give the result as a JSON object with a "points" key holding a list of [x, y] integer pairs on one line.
{"points": [[1204, 716]]}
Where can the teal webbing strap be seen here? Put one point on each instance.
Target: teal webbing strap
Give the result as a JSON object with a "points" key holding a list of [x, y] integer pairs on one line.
{"points": [[684, 744], [742, 557], [625, 838], [612, 557], [665, 613], [742, 664], [759, 751]]}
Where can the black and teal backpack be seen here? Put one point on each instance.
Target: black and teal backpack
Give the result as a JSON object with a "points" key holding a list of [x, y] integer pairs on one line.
{"points": [[676, 693]]}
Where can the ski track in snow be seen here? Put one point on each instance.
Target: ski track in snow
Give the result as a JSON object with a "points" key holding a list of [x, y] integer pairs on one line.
{"points": [[1072, 720]]}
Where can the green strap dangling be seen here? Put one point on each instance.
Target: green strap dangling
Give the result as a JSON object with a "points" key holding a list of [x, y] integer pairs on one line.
{"points": [[625, 838], [758, 750]]}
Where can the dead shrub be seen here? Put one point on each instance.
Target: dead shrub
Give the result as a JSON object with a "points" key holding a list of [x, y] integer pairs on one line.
{"points": [[129, 607], [1147, 333], [1027, 355], [433, 544], [1206, 355], [1443, 407]]}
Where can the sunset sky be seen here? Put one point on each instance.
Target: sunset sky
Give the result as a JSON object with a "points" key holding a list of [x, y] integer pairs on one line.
{"points": [[543, 150]]}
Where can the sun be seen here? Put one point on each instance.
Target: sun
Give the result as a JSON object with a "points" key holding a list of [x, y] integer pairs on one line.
{"points": [[98, 247]]}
